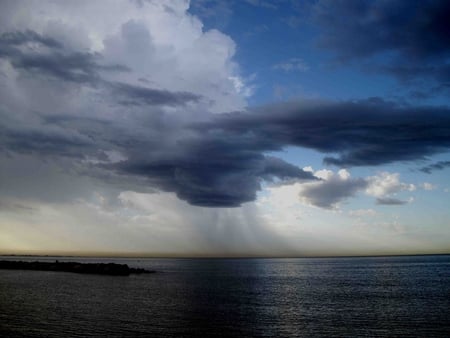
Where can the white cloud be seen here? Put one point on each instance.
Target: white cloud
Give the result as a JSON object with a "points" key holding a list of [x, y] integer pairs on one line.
{"points": [[159, 41], [293, 64], [386, 184], [428, 186], [336, 187]]}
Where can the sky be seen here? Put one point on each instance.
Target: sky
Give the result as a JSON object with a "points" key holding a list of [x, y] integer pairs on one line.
{"points": [[224, 128]]}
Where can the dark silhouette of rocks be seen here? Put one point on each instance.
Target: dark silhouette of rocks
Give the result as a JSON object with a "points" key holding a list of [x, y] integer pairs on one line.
{"points": [[111, 269]]}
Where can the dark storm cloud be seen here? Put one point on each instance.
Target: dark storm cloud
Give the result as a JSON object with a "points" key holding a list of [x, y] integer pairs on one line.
{"points": [[435, 166], [362, 133], [390, 201], [413, 36], [275, 167], [222, 162], [138, 95], [212, 172]]}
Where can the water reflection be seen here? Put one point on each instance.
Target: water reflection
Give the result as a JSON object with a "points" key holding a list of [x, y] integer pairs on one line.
{"points": [[234, 297]]}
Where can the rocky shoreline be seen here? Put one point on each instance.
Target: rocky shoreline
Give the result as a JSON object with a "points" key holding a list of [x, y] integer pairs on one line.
{"points": [[110, 269]]}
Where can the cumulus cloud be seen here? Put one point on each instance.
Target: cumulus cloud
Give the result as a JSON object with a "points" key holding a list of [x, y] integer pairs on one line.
{"points": [[385, 186], [334, 189], [386, 183]]}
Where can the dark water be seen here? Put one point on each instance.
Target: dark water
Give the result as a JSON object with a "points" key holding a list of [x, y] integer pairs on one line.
{"points": [[338, 297]]}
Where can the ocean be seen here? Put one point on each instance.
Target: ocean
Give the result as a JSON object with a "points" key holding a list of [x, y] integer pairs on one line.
{"points": [[406, 296]]}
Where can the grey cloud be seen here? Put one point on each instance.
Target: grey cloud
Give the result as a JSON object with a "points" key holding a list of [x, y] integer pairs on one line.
{"points": [[390, 201], [276, 167], [435, 166], [212, 172], [205, 169], [54, 62], [338, 187], [42, 138], [414, 32], [75, 67], [81, 68], [138, 95], [361, 133], [52, 141], [22, 37], [327, 194], [222, 162], [11, 205], [441, 89]]}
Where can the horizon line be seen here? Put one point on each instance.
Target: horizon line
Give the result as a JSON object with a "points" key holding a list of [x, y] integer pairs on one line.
{"points": [[198, 256]]}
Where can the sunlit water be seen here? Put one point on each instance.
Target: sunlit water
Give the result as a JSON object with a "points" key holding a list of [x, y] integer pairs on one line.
{"points": [[341, 297]]}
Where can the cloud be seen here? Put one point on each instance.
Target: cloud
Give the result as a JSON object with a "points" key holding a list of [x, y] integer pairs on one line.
{"points": [[428, 186], [386, 184], [334, 189], [13, 39], [390, 201], [42, 138], [83, 68], [293, 64], [441, 165], [214, 173], [11, 205], [45, 56], [80, 122], [138, 95], [410, 39], [362, 133], [174, 136]]}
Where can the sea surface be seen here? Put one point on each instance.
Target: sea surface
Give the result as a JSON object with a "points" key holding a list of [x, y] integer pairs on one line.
{"points": [[405, 296]]}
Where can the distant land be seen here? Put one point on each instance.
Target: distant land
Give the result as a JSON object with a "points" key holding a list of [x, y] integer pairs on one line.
{"points": [[111, 269]]}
